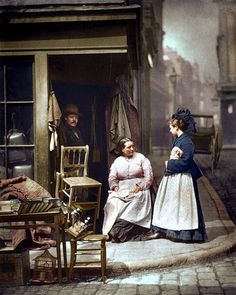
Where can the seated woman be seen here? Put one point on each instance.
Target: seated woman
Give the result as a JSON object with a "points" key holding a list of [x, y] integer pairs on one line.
{"points": [[128, 210]]}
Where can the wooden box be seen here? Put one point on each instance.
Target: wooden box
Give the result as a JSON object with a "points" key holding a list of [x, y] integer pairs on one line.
{"points": [[14, 268]]}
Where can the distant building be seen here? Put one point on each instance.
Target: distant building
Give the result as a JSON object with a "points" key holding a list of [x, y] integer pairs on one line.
{"points": [[190, 90], [152, 35], [160, 96], [226, 51]]}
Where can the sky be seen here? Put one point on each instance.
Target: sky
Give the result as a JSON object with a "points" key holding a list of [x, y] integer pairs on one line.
{"points": [[191, 28]]}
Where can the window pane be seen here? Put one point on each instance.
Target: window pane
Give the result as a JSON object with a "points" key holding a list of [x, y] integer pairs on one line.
{"points": [[16, 117], [20, 124], [2, 164], [2, 124], [20, 162], [19, 84]]}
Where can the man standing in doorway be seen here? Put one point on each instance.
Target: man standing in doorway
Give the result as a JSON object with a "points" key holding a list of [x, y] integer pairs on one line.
{"points": [[69, 133]]}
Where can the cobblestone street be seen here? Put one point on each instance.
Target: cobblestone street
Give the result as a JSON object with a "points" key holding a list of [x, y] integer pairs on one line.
{"points": [[216, 277], [224, 178]]}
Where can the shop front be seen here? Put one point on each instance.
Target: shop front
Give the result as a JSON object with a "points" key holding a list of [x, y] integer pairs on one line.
{"points": [[84, 58]]}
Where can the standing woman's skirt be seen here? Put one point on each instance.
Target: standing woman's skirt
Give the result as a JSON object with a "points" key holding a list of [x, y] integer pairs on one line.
{"points": [[177, 210]]}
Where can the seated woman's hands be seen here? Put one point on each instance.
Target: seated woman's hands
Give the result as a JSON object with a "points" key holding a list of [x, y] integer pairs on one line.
{"points": [[135, 190]]}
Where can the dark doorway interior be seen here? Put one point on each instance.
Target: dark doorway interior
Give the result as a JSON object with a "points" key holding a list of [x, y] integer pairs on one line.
{"points": [[88, 98], [88, 81]]}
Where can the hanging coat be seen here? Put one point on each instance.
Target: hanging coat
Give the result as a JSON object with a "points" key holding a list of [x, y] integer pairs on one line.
{"points": [[54, 115], [119, 123]]}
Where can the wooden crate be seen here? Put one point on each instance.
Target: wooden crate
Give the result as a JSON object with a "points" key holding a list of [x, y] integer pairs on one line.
{"points": [[14, 268]]}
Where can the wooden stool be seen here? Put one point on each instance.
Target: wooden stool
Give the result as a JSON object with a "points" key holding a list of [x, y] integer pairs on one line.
{"points": [[91, 244]]}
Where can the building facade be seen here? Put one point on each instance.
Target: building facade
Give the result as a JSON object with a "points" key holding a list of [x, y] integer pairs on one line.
{"points": [[78, 50], [226, 50]]}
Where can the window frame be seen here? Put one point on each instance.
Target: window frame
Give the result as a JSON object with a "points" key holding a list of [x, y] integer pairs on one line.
{"points": [[5, 102]]}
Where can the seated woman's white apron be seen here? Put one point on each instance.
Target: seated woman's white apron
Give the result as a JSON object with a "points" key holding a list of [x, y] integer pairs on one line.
{"points": [[126, 205]]}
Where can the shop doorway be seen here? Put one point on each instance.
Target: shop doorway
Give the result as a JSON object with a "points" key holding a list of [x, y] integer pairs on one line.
{"points": [[88, 81]]}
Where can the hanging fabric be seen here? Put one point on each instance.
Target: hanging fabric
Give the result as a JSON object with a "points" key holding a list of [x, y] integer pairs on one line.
{"points": [[130, 108], [54, 115], [96, 151], [119, 123]]}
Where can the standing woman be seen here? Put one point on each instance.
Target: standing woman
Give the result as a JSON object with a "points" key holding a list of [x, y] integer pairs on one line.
{"points": [[128, 210], [177, 210]]}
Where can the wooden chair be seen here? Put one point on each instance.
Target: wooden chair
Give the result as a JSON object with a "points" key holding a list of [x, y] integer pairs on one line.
{"points": [[88, 250], [73, 182]]}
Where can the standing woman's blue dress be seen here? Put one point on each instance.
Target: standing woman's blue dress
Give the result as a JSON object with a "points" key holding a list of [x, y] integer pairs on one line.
{"points": [[178, 184]]}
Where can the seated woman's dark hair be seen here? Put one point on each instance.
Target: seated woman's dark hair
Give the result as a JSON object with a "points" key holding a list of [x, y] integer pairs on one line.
{"points": [[121, 144]]}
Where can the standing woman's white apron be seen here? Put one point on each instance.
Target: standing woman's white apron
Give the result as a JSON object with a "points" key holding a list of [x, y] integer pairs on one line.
{"points": [[175, 206]]}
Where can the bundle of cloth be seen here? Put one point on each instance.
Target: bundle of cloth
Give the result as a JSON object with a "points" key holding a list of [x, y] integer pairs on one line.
{"points": [[23, 189]]}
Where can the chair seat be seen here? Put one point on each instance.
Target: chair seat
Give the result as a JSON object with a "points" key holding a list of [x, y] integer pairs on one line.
{"points": [[81, 181], [94, 237], [73, 183]]}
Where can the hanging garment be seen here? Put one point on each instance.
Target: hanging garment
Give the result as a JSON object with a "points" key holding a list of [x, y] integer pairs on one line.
{"points": [[54, 115], [130, 108], [119, 123], [93, 140]]}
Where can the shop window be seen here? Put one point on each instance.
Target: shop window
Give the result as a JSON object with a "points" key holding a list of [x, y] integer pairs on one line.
{"points": [[16, 116]]}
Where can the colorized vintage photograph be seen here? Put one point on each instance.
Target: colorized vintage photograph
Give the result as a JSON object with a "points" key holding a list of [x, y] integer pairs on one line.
{"points": [[118, 147]]}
